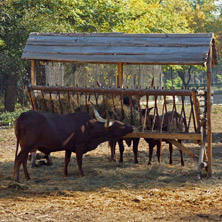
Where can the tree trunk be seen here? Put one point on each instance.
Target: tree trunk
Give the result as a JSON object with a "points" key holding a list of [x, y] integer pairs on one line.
{"points": [[183, 77], [10, 93]]}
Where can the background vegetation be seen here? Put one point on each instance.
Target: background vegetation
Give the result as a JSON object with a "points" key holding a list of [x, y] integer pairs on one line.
{"points": [[20, 17]]}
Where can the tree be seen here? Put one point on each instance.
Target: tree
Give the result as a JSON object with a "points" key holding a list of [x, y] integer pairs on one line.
{"points": [[20, 17], [166, 16]]}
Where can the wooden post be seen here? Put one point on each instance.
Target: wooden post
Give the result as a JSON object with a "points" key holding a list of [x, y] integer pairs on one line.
{"points": [[209, 130], [119, 77], [33, 72]]}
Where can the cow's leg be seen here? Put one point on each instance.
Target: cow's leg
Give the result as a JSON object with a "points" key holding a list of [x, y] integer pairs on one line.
{"points": [[67, 160], [121, 150], [79, 162], [171, 153], [18, 160], [33, 159], [112, 145], [48, 159], [151, 146], [158, 143], [181, 156], [24, 163], [135, 149]]}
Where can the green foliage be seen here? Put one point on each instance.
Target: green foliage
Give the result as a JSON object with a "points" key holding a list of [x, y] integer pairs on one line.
{"points": [[20, 17], [167, 16], [8, 118]]}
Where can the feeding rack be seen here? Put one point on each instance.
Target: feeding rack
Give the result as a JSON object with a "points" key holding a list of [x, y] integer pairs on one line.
{"points": [[194, 108]]}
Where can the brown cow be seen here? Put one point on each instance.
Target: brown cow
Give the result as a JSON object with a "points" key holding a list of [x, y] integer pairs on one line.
{"points": [[171, 116], [76, 132]]}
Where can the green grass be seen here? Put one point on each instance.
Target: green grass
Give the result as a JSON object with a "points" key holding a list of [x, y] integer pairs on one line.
{"points": [[8, 118]]}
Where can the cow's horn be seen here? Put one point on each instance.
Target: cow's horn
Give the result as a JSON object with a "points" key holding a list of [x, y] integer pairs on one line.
{"points": [[98, 117], [107, 119]]}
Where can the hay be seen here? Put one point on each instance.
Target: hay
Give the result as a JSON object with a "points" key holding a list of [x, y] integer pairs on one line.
{"points": [[111, 191], [65, 105]]}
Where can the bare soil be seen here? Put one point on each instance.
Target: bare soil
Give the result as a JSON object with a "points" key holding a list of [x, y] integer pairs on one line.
{"points": [[111, 191]]}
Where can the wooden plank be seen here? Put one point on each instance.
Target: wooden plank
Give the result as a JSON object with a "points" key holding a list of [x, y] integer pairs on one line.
{"points": [[148, 59], [123, 91], [119, 77], [196, 107], [183, 149], [116, 50], [33, 72], [201, 154], [31, 98], [121, 41], [163, 135], [120, 34]]}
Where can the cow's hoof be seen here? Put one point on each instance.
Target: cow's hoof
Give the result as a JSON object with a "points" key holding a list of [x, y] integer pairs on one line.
{"points": [[27, 177], [48, 164], [16, 180]]}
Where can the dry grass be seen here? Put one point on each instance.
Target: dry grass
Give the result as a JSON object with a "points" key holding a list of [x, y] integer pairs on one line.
{"points": [[111, 191]]}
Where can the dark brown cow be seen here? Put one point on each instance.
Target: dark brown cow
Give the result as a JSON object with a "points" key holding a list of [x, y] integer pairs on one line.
{"points": [[76, 132]]}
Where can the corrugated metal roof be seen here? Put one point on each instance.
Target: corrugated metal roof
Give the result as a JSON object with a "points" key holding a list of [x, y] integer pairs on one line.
{"points": [[160, 49]]}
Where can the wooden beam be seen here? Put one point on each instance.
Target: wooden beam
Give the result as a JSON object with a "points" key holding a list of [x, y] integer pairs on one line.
{"points": [[202, 152], [196, 106], [163, 135], [177, 58], [35, 35], [33, 72], [209, 129], [139, 92], [119, 77], [183, 149]]}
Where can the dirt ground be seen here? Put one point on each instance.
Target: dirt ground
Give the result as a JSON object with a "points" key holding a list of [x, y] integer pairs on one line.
{"points": [[111, 191]]}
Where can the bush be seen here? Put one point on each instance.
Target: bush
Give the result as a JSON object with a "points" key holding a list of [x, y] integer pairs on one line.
{"points": [[8, 118]]}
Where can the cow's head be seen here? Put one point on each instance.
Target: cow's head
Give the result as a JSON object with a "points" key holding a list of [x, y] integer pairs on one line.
{"points": [[115, 127]]}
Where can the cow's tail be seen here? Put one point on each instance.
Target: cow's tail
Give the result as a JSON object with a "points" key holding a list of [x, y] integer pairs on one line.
{"points": [[17, 133]]}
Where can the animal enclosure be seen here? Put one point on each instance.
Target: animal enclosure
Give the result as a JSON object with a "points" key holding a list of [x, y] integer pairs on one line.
{"points": [[193, 110]]}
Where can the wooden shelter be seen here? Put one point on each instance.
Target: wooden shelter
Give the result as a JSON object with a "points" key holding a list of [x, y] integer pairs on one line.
{"points": [[123, 49]]}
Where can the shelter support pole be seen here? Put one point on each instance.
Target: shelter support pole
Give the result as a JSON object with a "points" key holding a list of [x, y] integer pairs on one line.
{"points": [[119, 77], [33, 72], [209, 129], [201, 154]]}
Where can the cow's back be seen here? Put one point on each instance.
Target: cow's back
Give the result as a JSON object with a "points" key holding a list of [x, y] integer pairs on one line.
{"points": [[52, 131]]}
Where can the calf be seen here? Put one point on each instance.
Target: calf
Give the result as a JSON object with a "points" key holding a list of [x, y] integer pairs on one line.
{"points": [[171, 117], [112, 144], [152, 143], [76, 132], [38, 156]]}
